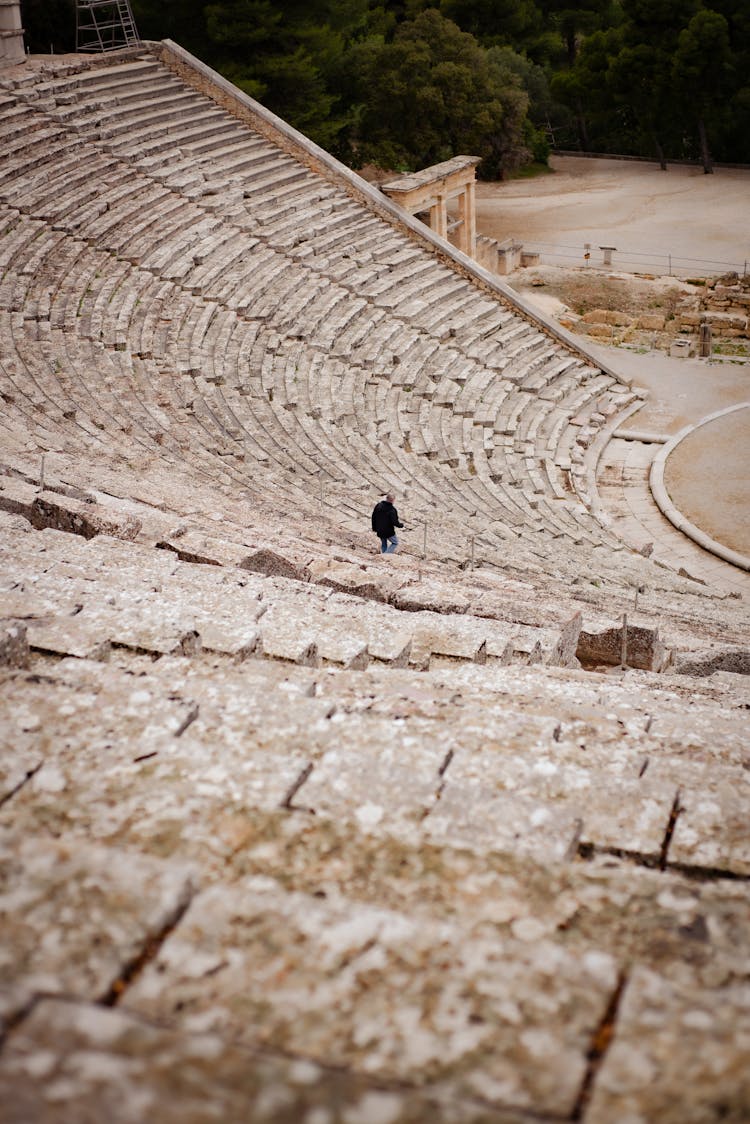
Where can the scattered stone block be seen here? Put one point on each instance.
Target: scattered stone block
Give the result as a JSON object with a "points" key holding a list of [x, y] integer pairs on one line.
{"points": [[642, 647], [681, 349], [608, 316], [651, 323]]}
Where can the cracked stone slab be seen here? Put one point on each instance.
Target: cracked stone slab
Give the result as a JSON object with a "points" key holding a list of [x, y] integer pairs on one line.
{"points": [[689, 930], [74, 915], [380, 773], [389, 996], [712, 826], [515, 781], [72, 1061], [677, 1055]]}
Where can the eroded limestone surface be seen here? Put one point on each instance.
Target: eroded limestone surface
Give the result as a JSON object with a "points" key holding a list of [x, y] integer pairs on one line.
{"points": [[289, 831], [504, 1020], [74, 1062], [667, 1037], [76, 915]]}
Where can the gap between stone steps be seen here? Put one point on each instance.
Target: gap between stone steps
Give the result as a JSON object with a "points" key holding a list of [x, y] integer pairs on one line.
{"points": [[21, 784], [590, 851], [147, 954], [600, 1044]]}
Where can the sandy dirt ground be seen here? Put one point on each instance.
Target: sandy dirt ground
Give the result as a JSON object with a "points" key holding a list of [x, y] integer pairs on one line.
{"points": [[634, 206], [715, 491]]}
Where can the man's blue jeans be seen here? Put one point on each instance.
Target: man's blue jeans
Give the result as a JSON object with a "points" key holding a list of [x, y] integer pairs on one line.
{"points": [[388, 546]]}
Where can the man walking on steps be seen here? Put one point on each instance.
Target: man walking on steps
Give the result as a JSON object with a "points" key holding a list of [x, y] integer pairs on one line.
{"points": [[384, 523]]}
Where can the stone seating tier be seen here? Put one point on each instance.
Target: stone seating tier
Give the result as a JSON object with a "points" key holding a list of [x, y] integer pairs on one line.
{"points": [[255, 771], [223, 849]]}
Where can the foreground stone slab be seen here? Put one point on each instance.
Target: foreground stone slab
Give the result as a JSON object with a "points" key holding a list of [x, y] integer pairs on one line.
{"points": [[75, 915], [74, 1062], [391, 997], [689, 930], [107, 755], [677, 1055], [711, 829]]}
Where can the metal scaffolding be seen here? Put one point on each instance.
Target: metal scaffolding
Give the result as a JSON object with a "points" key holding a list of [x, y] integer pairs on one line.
{"points": [[105, 25]]}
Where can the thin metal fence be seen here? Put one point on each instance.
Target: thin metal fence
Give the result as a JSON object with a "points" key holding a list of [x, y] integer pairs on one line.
{"points": [[596, 257]]}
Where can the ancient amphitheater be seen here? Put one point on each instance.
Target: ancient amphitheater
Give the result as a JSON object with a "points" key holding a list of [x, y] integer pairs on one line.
{"points": [[292, 832]]}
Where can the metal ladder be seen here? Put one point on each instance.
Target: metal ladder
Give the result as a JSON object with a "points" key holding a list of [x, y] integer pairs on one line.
{"points": [[105, 25]]}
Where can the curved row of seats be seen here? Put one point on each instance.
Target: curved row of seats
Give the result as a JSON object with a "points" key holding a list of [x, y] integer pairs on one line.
{"points": [[435, 377]]}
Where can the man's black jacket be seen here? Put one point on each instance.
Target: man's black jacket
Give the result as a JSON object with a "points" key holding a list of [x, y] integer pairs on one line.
{"points": [[384, 519]]}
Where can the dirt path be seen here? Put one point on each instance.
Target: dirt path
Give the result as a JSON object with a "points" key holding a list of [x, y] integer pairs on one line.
{"points": [[682, 391]]}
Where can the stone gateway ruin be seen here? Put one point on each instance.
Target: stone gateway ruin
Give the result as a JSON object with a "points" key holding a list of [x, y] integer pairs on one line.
{"points": [[291, 831]]}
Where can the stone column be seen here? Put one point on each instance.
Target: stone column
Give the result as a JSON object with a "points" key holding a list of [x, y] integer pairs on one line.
{"points": [[439, 216], [467, 213], [12, 50]]}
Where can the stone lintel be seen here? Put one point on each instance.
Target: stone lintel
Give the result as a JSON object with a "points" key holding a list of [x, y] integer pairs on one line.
{"points": [[420, 189]]}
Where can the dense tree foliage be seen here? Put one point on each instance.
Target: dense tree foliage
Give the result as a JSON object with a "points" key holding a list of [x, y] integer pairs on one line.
{"points": [[672, 78], [405, 83]]}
